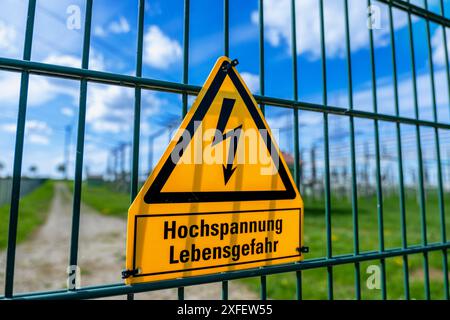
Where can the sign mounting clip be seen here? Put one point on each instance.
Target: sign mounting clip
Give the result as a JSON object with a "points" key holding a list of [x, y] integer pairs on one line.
{"points": [[227, 66]]}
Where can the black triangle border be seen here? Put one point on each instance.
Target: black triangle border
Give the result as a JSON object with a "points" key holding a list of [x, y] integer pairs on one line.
{"points": [[154, 194]]}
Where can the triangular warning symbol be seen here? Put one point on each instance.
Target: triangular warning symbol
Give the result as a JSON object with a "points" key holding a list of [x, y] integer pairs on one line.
{"points": [[186, 175], [221, 198]]}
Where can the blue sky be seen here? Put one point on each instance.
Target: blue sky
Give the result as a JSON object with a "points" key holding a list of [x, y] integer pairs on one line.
{"points": [[53, 103]]}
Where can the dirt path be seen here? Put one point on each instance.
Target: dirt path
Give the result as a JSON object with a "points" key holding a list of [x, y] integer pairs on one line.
{"points": [[41, 261]]}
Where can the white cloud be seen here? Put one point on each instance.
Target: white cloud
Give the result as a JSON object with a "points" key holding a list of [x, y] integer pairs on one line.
{"points": [[96, 156], [160, 51], [278, 121], [7, 38], [41, 89], [63, 60], [116, 27], [438, 46], [110, 108], [110, 126], [10, 84], [38, 126], [252, 81], [38, 139], [9, 127], [68, 112], [36, 131], [277, 20], [120, 26], [99, 31], [96, 60]]}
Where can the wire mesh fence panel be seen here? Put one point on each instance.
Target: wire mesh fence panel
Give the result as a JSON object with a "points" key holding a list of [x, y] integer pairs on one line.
{"points": [[374, 174]]}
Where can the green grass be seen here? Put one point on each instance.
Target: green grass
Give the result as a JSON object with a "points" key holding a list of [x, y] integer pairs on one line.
{"points": [[105, 200], [315, 281], [33, 211], [110, 202]]}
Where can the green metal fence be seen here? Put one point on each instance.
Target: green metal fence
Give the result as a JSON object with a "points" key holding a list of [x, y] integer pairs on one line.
{"points": [[84, 75]]}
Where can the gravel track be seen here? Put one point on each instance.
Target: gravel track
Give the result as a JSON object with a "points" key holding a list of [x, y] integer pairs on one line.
{"points": [[41, 261]]}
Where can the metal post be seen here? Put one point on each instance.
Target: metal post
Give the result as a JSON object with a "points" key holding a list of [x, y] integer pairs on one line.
{"points": [[18, 153], [261, 50], [399, 161], [326, 155], [443, 224], [298, 274], [73, 258], [378, 166], [226, 27], [419, 160], [263, 282], [438, 161], [137, 110], [353, 157], [185, 81]]}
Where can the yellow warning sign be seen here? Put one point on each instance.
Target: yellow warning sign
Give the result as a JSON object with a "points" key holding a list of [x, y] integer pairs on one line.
{"points": [[221, 197]]}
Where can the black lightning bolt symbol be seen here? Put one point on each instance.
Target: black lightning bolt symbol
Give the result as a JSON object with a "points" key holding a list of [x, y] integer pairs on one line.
{"points": [[225, 112]]}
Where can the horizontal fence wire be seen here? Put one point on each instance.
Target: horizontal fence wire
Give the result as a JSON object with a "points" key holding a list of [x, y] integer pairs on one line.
{"points": [[180, 88], [121, 289], [84, 75]]}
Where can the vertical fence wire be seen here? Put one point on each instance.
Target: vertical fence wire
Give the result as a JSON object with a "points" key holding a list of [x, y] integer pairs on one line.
{"points": [[298, 274], [225, 290], [438, 153], [444, 34], [226, 46], [226, 27], [185, 54], [263, 280], [326, 155], [419, 160], [263, 289], [73, 259], [180, 290], [400, 158], [377, 163], [261, 51], [137, 102], [353, 157], [18, 154], [443, 223], [137, 109]]}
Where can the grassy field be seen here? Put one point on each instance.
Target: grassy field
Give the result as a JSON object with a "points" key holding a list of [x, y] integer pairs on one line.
{"points": [[282, 286], [104, 199], [314, 281], [33, 211]]}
